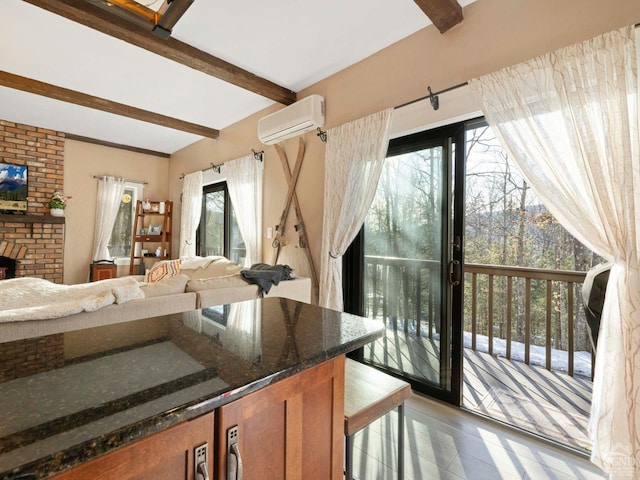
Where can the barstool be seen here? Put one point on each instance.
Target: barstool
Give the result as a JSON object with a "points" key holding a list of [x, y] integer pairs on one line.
{"points": [[369, 394]]}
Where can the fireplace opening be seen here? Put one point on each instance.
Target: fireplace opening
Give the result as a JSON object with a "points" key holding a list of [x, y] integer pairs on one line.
{"points": [[7, 268]]}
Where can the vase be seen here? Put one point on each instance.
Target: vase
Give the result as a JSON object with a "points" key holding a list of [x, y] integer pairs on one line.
{"points": [[57, 212]]}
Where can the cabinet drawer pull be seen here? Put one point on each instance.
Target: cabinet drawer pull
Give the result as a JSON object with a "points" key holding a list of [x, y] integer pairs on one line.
{"points": [[201, 472], [234, 460], [235, 467]]}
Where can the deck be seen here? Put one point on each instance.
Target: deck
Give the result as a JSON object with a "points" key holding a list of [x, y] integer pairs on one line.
{"points": [[548, 404]]}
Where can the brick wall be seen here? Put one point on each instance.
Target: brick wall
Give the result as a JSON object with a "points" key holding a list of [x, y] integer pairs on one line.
{"points": [[23, 358], [37, 247]]}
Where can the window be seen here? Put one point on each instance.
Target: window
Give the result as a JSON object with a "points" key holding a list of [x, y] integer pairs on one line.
{"points": [[121, 235], [218, 232]]}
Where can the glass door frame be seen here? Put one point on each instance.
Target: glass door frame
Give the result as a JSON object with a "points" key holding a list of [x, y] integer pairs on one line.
{"points": [[453, 228]]}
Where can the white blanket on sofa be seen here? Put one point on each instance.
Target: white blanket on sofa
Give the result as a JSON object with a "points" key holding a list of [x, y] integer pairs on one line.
{"points": [[37, 299]]}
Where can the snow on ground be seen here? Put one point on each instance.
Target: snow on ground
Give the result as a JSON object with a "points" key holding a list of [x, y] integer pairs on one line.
{"points": [[538, 355]]}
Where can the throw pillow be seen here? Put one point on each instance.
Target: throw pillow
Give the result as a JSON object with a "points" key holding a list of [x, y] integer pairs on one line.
{"points": [[167, 286], [160, 270]]}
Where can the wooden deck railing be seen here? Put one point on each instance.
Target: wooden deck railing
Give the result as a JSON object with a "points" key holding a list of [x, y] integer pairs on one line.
{"points": [[403, 289], [500, 303], [559, 308]]}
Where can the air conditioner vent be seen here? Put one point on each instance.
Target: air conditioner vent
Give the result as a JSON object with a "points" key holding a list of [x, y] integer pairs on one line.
{"points": [[293, 120]]}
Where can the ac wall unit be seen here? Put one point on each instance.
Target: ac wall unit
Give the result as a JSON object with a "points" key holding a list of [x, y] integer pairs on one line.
{"points": [[293, 120]]}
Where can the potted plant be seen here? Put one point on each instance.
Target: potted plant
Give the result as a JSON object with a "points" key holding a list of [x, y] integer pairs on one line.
{"points": [[57, 204]]}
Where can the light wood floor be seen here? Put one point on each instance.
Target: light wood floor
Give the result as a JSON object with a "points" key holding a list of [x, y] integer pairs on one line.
{"points": [[447, 443]]}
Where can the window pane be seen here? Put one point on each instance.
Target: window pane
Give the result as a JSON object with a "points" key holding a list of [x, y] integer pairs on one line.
{"points": [[212, 224], [219, 233], [402, 265], [120, 242], [238, 250]]}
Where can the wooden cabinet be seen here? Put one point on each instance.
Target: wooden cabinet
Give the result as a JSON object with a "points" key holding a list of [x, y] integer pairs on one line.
{"points": [[152, 230], [291, 430], [102, 270], [168, 455]]}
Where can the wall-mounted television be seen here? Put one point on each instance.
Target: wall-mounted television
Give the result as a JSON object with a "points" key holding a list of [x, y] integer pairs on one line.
{"points": [[13, 188]]}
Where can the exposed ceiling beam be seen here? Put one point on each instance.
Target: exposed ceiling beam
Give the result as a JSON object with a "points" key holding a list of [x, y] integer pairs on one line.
{"points": [[25, 84], [94, 17], [104, 143], [444, 14]]}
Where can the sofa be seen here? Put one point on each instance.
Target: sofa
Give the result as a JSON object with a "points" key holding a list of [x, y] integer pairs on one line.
{"points": [[184, 285]]}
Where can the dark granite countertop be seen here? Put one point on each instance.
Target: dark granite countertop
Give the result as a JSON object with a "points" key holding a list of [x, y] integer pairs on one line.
{"points": [[69, 397]]}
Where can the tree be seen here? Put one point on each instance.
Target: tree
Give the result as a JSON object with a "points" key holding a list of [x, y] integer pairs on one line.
{"points": [[526, 235]]}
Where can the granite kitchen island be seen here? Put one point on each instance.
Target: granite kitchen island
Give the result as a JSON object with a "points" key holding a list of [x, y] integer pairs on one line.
{"points": [[136, 399]]}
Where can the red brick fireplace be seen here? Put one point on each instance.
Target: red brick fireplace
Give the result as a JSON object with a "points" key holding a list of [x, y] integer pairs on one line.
{"points": [[33, 244]]}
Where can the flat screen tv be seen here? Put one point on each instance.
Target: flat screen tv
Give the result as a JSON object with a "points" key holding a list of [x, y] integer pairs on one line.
{"points": [[13, 188]]}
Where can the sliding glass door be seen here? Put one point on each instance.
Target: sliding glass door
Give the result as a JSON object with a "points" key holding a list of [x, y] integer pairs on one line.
{"points": [[407, 263]]}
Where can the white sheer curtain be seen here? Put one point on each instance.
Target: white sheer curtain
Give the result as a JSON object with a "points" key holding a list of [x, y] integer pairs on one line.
{"points": [[190, 213], [244, 180], [353, 162], [110, 192], [570, 121], [244, 329]]}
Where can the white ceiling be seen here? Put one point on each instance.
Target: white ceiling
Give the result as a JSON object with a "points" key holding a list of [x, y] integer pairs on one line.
{"points": [[293, 43]]}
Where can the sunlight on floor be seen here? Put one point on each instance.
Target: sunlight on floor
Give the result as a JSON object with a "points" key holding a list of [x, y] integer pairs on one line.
{"points": [[446, 443]]}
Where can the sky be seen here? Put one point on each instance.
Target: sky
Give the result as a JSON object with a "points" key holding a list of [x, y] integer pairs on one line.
{"points": [[18, 172]]}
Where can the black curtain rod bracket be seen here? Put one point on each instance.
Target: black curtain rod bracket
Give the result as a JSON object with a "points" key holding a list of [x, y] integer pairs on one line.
{"points": [[259, 156], [322, 134], [433, 96], [433, 99]]}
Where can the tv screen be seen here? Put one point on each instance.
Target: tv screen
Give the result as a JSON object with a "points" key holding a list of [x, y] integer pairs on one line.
{"points": [[13, 188]]}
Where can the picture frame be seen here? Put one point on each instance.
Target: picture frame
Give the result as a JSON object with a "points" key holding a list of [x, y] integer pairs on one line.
{"points": [[13, 188], [154, 230]]}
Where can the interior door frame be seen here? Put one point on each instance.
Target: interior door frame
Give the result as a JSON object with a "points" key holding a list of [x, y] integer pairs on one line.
{"points": [[453, 227]]}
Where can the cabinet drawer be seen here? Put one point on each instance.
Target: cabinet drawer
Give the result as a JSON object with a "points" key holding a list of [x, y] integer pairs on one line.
{"points": [[167, 455]]}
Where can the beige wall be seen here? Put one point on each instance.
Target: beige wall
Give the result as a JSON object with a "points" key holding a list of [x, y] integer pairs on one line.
{"points": [[238, 141], [494, 34], [83, 161]]}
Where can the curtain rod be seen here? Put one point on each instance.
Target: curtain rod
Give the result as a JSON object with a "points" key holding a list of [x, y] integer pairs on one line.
{"points": [[216, 168], [433, 96], [101, 177]]}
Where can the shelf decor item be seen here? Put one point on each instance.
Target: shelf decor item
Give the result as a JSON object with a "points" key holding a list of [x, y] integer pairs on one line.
{"points": [[57, 204]]}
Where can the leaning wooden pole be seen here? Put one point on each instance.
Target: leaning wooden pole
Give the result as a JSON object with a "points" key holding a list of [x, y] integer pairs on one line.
{"points": [[303, 240], [280, 240]]}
